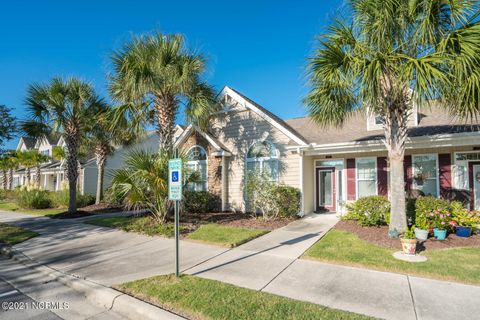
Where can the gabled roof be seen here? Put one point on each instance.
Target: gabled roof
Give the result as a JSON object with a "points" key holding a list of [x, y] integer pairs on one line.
{"points": [[50, 139], [29, 142], [219, 147], [433, 120], [277, 122]]}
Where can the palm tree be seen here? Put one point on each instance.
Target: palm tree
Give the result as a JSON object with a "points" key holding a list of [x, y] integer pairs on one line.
{"points": [[4, 170], [12, 162], [143, 182], [389, 56], [25, 159], [103, 138], [32, 159], [38, 159], [152, 76], [66, 107]]}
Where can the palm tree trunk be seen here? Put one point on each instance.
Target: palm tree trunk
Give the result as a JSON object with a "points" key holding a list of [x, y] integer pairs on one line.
{"points": [[5, 179], [10, 179], [396, 131], [101, 158], [28, 174], [37, 175], [72, 141], [166, 112]]}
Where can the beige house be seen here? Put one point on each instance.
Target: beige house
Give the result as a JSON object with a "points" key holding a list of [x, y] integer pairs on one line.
{"points": [[331, 166]]}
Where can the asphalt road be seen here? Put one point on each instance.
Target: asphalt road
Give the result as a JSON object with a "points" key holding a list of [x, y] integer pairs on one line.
{"points": [[16, 305], [27, 294]]}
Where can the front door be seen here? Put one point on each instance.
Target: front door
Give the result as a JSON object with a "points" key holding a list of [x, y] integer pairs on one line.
{"points": [[476, 186], [325, 189]]}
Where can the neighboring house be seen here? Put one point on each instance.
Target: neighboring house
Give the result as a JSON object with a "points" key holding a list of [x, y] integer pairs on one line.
{"points": [[330, 166], [51, 172]]}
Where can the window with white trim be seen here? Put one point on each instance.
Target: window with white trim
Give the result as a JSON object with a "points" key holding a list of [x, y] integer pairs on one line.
{"points": [[366, 177], [197, 162], [461, 168], [263, 156], [425, 177]]}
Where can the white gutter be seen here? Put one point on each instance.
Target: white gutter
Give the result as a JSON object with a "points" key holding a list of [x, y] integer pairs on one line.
{"points": [[444, 140]]}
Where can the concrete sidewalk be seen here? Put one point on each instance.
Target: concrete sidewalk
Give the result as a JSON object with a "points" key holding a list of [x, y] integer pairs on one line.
{"points": [[255, 264], [269, 263]]}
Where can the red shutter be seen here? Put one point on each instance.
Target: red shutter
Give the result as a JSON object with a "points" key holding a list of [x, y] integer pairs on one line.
{"points": [[445, 174], [382, 177], [351, 181], [407, 167]]}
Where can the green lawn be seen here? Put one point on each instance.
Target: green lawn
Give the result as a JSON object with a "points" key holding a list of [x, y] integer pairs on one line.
{"points": [[11, 206], [223, 235], [145, 225], [455, 264], [12, 235], [199, 298]]}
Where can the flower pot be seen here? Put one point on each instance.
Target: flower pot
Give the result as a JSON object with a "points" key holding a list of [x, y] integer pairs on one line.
{"points": [[421, 234], [440, 234], [409, 246], [477, 227], [464, 232]]}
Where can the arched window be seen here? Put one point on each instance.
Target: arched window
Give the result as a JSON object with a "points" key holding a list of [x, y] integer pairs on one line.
{"points": [[263, 156], [197, 162]]}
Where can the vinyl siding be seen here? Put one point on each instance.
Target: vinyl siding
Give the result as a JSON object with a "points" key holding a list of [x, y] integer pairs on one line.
{"points": [[238, 130]]}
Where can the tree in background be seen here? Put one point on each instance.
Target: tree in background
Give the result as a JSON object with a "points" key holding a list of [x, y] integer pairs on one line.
{"points": [[4, 170], [66, 107], [8, 125], [390, 55], [103, 138], [152, 76]]}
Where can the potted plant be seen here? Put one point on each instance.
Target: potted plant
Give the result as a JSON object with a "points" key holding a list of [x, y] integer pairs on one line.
{"points": [[441, 224], [409, 242], [421, 227], [464, 219]]}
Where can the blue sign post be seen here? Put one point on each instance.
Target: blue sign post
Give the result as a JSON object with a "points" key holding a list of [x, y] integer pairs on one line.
{"points": [[175, 194]]}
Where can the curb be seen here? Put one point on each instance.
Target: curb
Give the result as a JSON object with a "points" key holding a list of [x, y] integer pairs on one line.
{"points": [[106, 297]]}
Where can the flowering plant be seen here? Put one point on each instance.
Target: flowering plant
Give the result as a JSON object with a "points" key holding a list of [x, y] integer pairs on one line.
{"points": [[441, 219], [463, 217]]}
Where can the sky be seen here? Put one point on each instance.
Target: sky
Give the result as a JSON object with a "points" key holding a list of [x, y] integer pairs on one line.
{"points": [[257, 47]]}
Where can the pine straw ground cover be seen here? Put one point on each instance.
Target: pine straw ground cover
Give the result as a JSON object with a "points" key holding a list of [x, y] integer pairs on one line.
{"points": [[224, 229]]}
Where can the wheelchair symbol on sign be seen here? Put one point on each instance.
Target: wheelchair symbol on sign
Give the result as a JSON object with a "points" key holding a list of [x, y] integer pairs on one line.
{"points": [[174, 176]]}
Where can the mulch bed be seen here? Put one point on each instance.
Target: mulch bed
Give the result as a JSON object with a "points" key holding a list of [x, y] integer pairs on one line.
{"points": [[238, 220], [379, 236], [66, 215], [102, 208]]}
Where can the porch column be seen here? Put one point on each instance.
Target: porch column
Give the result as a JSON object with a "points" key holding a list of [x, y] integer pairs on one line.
{"points": [[224, 183], [59, 181]]}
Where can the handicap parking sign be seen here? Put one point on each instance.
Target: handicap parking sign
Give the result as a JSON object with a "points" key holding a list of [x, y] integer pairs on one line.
{"points": [[175, 179]]}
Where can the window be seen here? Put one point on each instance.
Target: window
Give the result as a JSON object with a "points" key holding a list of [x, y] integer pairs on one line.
{"points": [[329, 163], [366, 177], [425, 174], [262, 156], [197, 162], [379, 120], [45, 152], [461, 168]]}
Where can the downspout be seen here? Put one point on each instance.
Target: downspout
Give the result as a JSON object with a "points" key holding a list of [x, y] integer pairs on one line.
{"points": [[302, 202]]}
